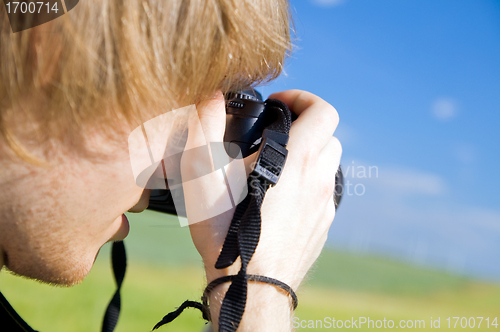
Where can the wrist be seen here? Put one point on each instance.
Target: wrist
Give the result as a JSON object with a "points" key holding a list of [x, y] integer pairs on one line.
{"points": [[268, 308], [212, 273], [259, 266]]}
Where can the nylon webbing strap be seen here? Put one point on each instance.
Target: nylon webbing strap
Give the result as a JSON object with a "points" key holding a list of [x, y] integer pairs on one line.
{"points": [[14, 323], [244, 231], [10, 319], [119, 261]]}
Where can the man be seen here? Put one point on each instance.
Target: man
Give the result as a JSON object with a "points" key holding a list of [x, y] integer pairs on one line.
{"points": [[73, 89]]}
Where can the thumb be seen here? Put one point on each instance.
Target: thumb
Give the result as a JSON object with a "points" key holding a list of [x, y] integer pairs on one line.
{"points": [[205, 191], [206, 126]]}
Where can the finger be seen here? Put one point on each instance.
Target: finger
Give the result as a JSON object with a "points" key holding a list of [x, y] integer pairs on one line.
{"points": [[296, 100], [194, 128], [204, 181], [330, 155], [326, 168], [206, 124], [328, 162], [316, 122]]}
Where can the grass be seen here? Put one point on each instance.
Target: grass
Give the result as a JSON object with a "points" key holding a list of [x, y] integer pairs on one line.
{"points": [[165, 269]]}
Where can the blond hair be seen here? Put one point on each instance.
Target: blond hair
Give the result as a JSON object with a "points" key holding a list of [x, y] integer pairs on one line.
{"points": [[129, 59]]}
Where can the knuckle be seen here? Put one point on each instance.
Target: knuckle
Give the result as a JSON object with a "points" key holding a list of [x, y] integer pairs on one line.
{"points": [[337, 146], [331, 115], [327, 119], [303, 100], [335, 114], [328, 186], [306, 154]]}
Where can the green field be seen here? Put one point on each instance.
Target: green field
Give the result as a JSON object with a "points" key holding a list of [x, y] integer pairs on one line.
{"points": [[164, 270]]}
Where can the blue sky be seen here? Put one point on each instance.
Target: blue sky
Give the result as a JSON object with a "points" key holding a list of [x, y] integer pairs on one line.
{"points": [[417, 87]]}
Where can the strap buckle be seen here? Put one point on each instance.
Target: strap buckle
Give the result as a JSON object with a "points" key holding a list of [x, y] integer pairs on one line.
{"points": [[272, 156]]}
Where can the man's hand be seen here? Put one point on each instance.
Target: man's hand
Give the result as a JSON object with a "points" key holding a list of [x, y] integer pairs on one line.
{"points": [[296, 213]]}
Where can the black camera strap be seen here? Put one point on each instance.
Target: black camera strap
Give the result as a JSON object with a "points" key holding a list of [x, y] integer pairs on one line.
{"points": [[245, 228], [9, 318], [119, 262], [12, 322], [244, 232]]}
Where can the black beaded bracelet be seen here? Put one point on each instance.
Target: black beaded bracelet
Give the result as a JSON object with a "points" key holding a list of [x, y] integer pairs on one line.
{"points": [[204, 308], [251, 277]]}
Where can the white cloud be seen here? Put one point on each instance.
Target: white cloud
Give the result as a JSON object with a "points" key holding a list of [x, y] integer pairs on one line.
{"points": [[327, 3], [444, 108], [398, 180], [466, 153], [407, 181], [413, 214]]}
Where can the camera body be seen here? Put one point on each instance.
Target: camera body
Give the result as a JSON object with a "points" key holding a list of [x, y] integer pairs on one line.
{"points": [[246, 119]]}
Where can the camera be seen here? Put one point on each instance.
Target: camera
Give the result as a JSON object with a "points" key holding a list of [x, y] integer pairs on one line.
{"points": [[246, 119]]}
